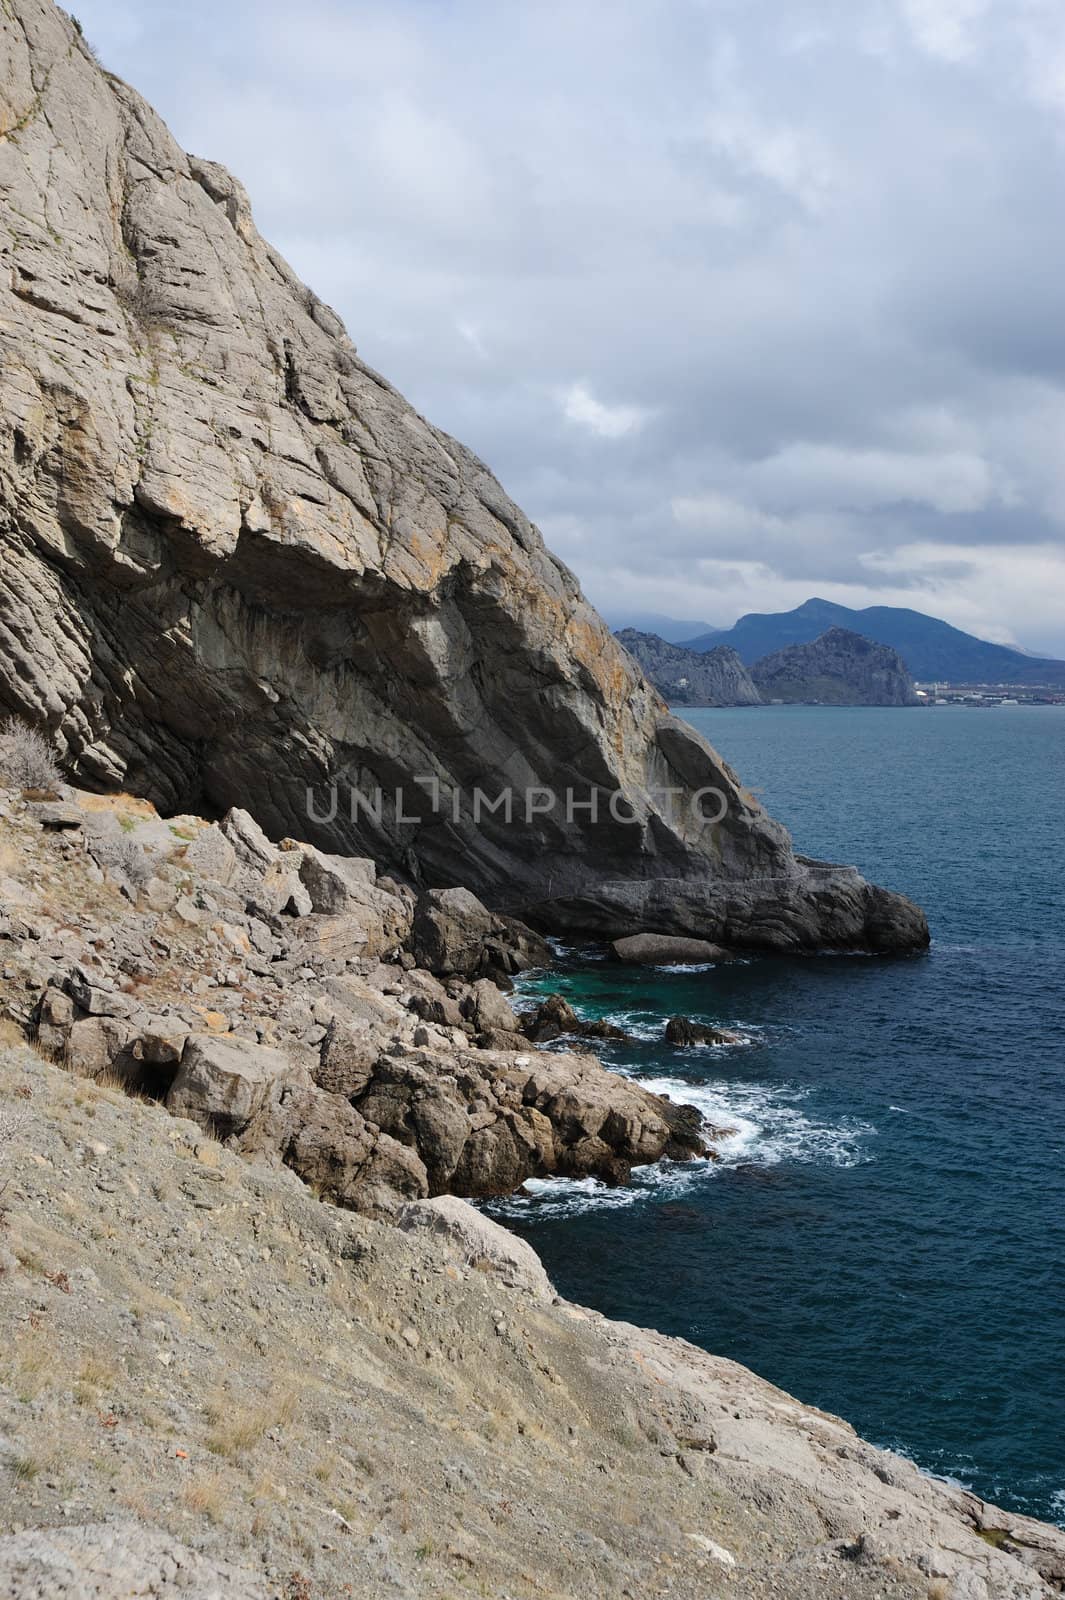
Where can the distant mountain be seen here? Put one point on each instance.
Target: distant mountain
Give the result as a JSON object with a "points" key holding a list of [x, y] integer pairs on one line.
{"points": [[668, 628], [840, 668], [932, 650], [691, 677]]}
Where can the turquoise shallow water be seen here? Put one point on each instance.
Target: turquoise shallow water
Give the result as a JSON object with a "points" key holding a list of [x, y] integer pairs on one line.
{"points": [[885, 1236]]}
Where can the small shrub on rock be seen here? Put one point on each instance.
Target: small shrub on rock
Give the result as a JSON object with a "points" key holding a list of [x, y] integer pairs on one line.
{"points": [[128, 858], [26, 757]]}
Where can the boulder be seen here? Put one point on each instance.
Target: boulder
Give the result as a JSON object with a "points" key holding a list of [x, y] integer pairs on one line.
{"points": [[496, 1039], [96, 1044], [96, 995], [454, 933], [224, 1081], [555, 1018], [58, 816], [682, 1031], [349, 1051], [336, 884], [419, 1103], [666, 950], [253, 849], [55, 1017], [491, 1011], [331, 1146]]}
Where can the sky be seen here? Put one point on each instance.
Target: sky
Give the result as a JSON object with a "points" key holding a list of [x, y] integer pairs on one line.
{"points": [[743, 301]]}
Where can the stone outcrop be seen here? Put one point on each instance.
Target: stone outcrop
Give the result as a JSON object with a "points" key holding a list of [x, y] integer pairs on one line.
{"points": [[684, 1033], [683, 677], [238, 565], [840, 668], [254, 1004], [555, 1018]]}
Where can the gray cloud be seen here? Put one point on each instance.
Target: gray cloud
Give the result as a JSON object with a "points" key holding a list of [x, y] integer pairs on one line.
{"points": [[743, 302]]}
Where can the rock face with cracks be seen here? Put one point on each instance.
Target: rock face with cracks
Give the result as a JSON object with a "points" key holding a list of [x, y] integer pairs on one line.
{"points": [[238, 565]]}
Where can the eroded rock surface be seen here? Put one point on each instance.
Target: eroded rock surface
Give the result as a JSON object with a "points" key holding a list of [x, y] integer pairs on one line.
{"points": [[237, 564]]}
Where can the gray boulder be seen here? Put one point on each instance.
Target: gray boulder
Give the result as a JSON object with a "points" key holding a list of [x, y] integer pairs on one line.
{"points": [[682, 1031], [661, 949], [223, 1082], [453, 932]]}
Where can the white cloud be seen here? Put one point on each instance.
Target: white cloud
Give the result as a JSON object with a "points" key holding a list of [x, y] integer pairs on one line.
{"points": [[743, 302], [580, 406], [945, 28], [792, 157], [715, 514], [950, 482]]}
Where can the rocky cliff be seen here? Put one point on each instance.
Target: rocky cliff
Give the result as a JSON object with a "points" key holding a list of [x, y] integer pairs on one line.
{"points": [[691, 677], [236, 564], [838, 669]]}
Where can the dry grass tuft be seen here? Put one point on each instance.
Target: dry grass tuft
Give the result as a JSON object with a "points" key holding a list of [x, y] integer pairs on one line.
{"points": [[236, 1429], [207, 1495], [97, 1375], [11, 1035]]}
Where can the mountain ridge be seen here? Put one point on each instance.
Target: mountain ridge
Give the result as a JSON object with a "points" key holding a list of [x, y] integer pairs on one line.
{"points": [[931, 649]]}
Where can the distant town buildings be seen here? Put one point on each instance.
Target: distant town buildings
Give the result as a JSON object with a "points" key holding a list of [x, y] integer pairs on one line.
{"points": [[987, 694]]}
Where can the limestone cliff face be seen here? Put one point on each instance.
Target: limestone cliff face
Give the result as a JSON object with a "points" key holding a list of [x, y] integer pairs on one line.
{"points": [[236, 563], [692, 677], [840, 668]]}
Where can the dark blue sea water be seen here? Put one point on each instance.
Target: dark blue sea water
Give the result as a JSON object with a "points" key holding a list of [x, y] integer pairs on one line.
{"points": [[885, 1237]]}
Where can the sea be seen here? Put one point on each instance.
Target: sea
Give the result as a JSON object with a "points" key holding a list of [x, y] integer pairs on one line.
{"points": [[884, 1234]]}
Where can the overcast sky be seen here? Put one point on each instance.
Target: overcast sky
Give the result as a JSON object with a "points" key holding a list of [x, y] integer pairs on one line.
{"points": [[744, 300]]}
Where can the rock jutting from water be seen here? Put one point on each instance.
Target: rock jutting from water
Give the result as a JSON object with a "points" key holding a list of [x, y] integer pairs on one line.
{"points": [[237, 565]]}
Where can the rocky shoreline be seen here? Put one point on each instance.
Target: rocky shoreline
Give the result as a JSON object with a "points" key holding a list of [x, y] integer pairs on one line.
{"points": [[300, 1007]]}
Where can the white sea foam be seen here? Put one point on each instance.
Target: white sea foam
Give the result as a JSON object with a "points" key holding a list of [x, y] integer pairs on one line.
{"points": [[686, 966], [570, 1197], [762, 1126], [770, 1126]]}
